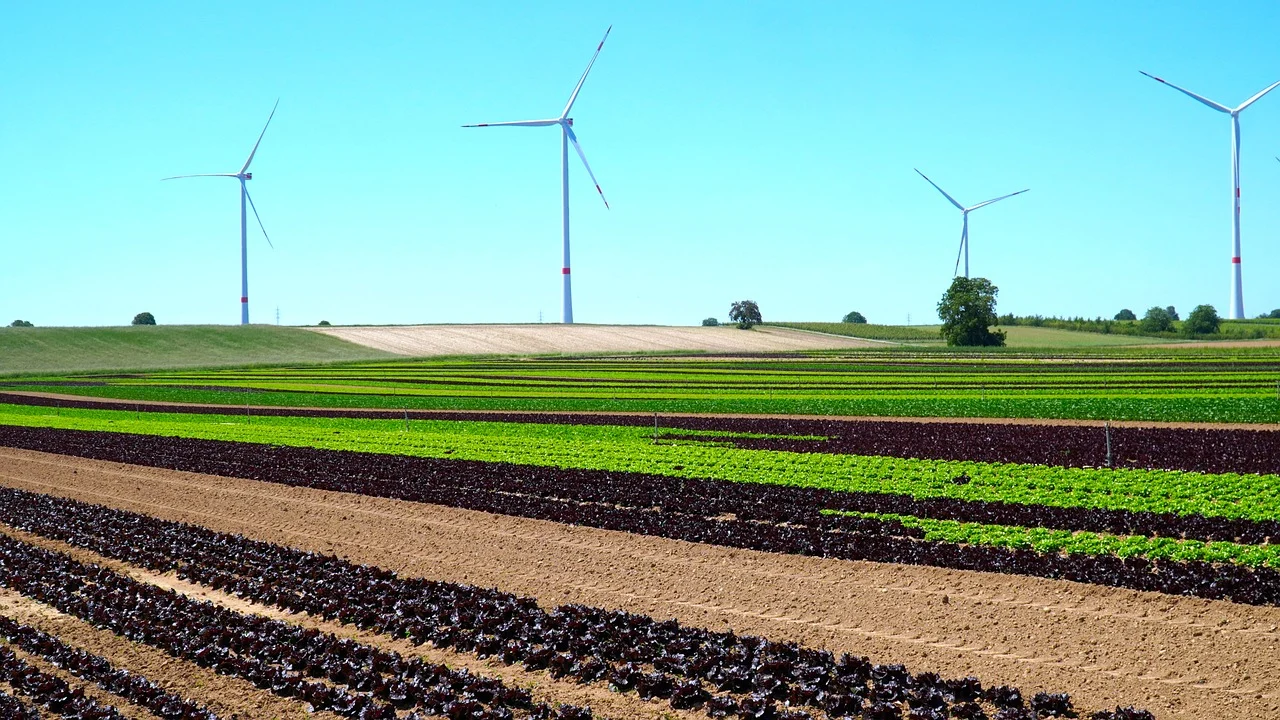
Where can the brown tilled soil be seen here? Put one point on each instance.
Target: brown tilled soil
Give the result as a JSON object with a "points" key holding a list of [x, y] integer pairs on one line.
{"points": [[428, 340], [1180, 657]]}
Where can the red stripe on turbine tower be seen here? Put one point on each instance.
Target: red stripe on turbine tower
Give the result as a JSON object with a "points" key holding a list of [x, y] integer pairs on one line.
{"points": [[244, 299], [1236, 260], [564, 271]]}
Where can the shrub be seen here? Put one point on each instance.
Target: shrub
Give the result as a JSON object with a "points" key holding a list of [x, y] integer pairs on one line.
{"points": [[144, 318], [854, 317], [710, 322], [1126, 314], [20, 323], [323, 323]]}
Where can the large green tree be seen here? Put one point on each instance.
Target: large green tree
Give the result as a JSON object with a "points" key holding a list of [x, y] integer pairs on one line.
{"points": [[746, 313], [855, 317], [1156, 320], [968, 310], [1202, 321]]}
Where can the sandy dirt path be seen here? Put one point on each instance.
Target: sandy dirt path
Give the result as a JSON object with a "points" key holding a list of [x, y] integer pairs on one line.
{"points": [[428, 340], [1180, 657], [161, 405]]}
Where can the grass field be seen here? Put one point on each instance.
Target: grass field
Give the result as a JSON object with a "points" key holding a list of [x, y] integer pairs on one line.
{"points": [[66, 350]]}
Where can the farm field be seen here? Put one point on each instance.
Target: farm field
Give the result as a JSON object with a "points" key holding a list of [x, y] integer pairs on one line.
{"points": [[785, 537]]}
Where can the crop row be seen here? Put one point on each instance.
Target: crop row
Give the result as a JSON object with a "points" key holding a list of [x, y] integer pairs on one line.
{"points": [[49, 691], [733, 514], [632, 450], [12, 708], [724, 673], [98, 670], [1197, 450], [343, 676], [1045, 540], [793, 487]]}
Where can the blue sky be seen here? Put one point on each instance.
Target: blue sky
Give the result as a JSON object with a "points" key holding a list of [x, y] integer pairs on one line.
{"points": [[756, 150]]}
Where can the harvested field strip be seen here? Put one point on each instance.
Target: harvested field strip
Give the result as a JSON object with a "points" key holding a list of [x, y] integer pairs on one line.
{"points": [[680, 514], [611, 449], [1213, 450], [626, 651], [1187, 658]]}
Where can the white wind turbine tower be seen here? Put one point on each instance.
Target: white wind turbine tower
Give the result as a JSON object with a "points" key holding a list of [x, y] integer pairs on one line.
{"points": [[1237, 289], [242, 176], [566, 136], [964, 232]]}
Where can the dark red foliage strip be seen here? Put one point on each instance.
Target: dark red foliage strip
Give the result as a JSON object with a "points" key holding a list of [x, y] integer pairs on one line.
{"points": [[1199, 450]]}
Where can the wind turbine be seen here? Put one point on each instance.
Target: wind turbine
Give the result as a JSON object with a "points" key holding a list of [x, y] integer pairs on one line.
{"points": [[964, 233], [242, 176], [566, 136], [1237, 288]]}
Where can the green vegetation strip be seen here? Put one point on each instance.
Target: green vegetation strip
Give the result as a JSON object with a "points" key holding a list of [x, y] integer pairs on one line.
{"points": [[1044, 540], [632, 449]]}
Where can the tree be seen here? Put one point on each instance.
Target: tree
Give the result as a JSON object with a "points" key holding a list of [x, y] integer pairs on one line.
{"points": [[1173, 314], [854, 317], [1156, 320], [144, 318], [746, 313], [324, 323], [21, 323], [1202, 321], [710, 322], [1273, 315], [968, 310], [1126, 314]]}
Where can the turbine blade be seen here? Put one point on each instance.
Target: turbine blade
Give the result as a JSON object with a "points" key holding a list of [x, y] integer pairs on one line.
{"points": [[1255, 98], [944, 192], [255, 214], [1002, 197], [518, 123], [574, 139], [1206, 101], [179, 177], [254, 151], [569, 105]]}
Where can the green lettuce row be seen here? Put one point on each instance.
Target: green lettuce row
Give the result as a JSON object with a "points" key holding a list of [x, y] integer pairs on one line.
{"points": [[631, 449], [1044, 540]]}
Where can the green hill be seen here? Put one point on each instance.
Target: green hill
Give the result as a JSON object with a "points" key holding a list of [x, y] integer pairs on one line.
{"points": [[62, 350]]}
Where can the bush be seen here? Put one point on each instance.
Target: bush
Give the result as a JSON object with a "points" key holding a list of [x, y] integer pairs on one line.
{"points": [[20, 323], [854, 317], [324, 323], [1156, 320], [1203, 320], [1173, 314], [144, 318], [1126, 314], [746, 313], [710, 322]]}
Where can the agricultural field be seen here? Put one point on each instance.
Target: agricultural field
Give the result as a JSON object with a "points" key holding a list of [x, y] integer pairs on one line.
{"points": [[891, 534]]}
